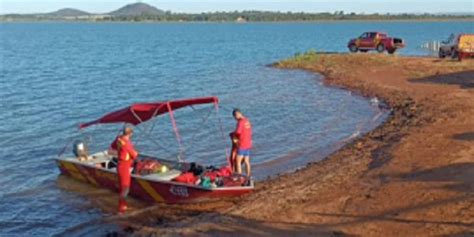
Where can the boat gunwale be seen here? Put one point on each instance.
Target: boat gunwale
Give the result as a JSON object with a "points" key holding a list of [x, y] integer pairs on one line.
{"points": [[75, 161]]}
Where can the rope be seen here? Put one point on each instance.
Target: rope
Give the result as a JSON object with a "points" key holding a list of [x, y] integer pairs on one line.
{"points": [[154, 115], [176, 131], [195, 132], [65, 147], [154, 141], [149, 136], [221, 126]]}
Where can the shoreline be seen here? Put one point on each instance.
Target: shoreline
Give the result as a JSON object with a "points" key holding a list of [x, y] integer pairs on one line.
{"points": [[372, 123], [378, 147], [412, 175]]}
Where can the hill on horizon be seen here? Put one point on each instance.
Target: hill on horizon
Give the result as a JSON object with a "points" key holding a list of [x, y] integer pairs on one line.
{"points": [[137, 9], [68, 12]]}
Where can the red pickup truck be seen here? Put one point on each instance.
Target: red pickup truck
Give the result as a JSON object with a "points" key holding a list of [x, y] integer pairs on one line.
{"points": [[375, 41]]}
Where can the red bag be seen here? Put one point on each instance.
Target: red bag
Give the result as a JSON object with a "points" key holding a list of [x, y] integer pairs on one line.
{"points": [[145, 167], [225, 171], [212, 175], [222, 172], [187, 178]]}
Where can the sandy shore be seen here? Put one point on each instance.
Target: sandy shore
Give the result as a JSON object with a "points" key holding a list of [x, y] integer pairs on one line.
{"points": [[412, 176]]}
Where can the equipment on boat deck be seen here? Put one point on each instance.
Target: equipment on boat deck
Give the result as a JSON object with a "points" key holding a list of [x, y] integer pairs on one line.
{"points": [[80, 150]]}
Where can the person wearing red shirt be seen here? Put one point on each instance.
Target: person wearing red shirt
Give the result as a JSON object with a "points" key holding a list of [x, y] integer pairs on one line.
{"points": [[126, 155], [243, 139]]}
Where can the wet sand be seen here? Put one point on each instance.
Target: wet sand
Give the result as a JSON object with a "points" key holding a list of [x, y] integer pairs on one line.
{"points": [[411, 176]]}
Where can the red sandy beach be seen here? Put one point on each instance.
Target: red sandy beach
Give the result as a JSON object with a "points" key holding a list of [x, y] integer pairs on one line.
{"points": [[412, 176]]}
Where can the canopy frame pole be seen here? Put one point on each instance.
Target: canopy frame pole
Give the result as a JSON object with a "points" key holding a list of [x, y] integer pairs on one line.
{"points": [[221, 126], [136, 115], [138, 118], [176, 131], [144, 131], [154, 121], [153, 140], [195, 131]]}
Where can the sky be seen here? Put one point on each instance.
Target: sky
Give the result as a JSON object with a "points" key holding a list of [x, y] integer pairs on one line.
{"points": [[197, 6]]}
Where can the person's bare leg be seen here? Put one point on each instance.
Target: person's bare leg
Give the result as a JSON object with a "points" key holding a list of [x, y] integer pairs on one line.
{"points": [[233, 158], [239, 164], [247, 166]]}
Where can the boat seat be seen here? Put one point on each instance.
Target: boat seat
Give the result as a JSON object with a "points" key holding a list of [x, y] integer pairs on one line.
{"points": [[167, 176]]}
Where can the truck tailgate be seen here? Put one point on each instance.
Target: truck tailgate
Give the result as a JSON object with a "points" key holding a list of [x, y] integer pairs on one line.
{"points": [[466, 43], [398, 42]]}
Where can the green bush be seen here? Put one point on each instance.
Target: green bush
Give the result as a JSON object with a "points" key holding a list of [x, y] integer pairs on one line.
{"points": [[308, 56]]}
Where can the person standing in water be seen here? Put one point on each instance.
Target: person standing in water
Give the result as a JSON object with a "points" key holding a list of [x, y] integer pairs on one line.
{"points": [[126, 155], [243, 139]]}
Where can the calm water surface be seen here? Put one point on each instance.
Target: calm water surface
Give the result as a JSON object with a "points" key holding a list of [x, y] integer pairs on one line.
{"points": [[54, 76]]}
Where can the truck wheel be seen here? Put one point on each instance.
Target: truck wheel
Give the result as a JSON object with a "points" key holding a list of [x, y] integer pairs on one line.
{"points": [[353, 48], [391, 51], [454, 55], [441, 54], [380, 48]]}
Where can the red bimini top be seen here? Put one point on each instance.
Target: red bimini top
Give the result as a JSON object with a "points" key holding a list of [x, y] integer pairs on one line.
{"points": [[141, 112]]}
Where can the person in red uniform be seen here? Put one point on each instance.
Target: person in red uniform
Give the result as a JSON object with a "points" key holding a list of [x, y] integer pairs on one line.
{"points": [[126, 155], [243, 139]]}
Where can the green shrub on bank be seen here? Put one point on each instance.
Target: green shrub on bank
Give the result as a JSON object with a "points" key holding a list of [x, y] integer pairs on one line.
{"points": [[308, 56], [299, 59]]}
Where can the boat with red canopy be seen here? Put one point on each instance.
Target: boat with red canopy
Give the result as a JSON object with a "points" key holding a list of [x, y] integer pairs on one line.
{"points": [[155, 179]]}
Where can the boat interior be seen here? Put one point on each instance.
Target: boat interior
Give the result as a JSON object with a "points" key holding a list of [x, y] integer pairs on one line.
{"points": [[167, 171], [103, 160], [157, 169]]}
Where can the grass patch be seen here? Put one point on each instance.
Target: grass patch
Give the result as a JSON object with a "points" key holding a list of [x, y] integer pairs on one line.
{"points": [[417, 74], [307, 57], [300, 59]]}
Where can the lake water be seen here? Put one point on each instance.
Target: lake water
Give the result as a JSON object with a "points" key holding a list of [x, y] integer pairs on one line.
{"points": [[55, 76]]}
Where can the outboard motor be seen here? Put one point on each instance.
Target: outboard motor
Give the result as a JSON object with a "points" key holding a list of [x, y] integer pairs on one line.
{"points": [[80, 150]]}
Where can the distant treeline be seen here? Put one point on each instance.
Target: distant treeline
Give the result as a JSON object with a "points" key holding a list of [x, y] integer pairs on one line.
{"points": [[242, 16], [258, 16]]}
